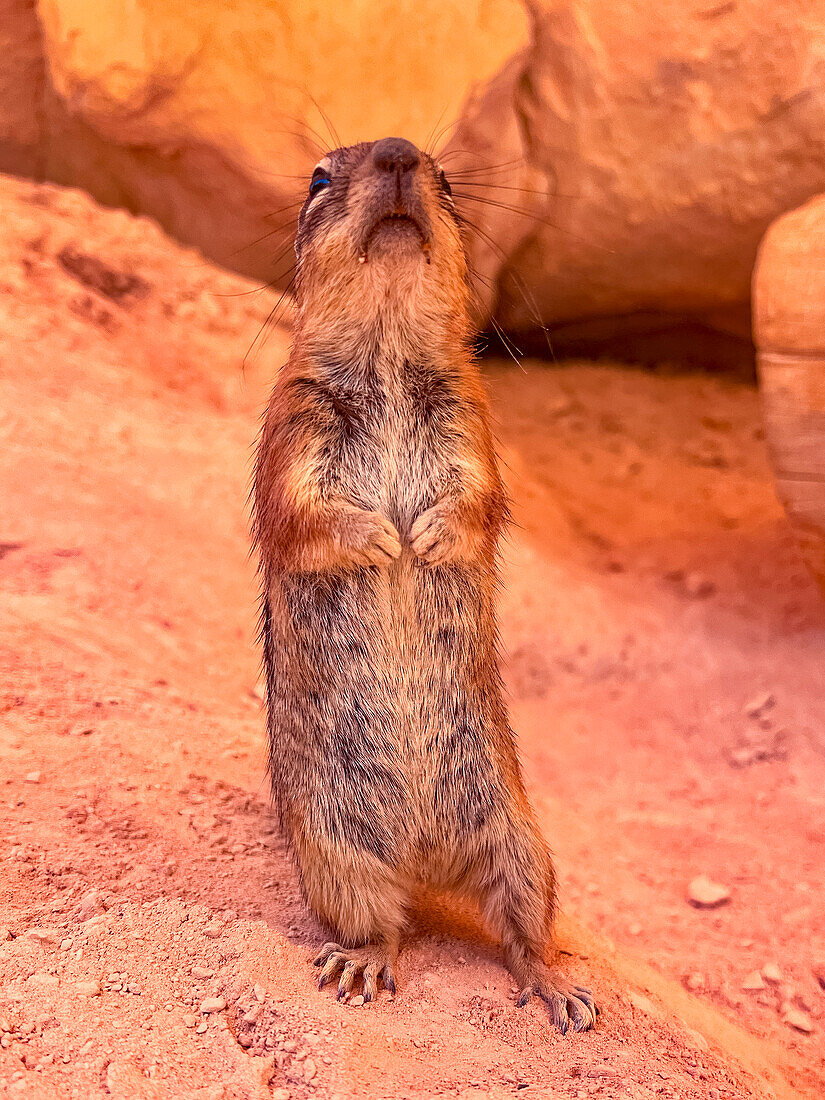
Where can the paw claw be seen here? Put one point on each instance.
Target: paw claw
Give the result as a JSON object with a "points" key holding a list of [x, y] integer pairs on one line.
{"points": [[365, 964], [569, 1005], [388, 979]]}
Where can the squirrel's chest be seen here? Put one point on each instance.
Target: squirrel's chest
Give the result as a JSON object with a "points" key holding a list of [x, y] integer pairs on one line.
{"points": [[399, 463]]}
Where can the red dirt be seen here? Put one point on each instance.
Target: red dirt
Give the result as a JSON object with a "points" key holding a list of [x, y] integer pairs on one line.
{"points": [[651, 591]]}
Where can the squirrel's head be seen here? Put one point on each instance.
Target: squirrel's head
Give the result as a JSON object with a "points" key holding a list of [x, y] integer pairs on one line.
{"points": [[379, 240]]}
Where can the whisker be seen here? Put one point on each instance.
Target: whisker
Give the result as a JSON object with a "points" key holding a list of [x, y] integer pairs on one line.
{"points": [[333, 133], [541, 192], [485, 201], [527, 296], [432, 137], [268, 323]]}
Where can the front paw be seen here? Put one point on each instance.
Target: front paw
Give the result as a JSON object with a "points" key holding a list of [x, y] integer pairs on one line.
{"points": [[435, 537], [368, 538]]}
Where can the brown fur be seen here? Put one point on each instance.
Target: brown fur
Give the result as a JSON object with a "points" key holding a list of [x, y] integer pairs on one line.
{"points": [[378, 509]]}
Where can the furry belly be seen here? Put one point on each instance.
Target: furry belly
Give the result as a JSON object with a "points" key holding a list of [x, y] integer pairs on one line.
{"points": [[383, 696]]}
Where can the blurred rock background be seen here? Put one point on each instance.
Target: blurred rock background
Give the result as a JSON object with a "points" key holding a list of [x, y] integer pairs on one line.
{"points": [[644, 148]]}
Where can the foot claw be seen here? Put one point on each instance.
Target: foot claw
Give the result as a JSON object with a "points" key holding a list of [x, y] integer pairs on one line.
{"points": [[333, 964], [568, 1004], [325, 952], [366, 964], [370, 983], [388, 978], [350, 973]]}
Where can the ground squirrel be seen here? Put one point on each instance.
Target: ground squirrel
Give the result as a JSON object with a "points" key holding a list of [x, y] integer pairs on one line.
{"points": [[378, 506]]}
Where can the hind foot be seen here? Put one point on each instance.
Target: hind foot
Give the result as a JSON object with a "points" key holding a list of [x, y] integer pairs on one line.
{"points": [[371, 964], [568, 1003]]}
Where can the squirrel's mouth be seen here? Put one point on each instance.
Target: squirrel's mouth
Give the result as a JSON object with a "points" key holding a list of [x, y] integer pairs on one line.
{"points": [[396, 229]]}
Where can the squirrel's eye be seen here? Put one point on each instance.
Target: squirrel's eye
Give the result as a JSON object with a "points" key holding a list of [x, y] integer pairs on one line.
{"points": [[319, 182], [445, 184]]}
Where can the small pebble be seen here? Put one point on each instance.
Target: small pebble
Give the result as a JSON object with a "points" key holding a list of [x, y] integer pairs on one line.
{"points": [[42, 935], [703, 893], [213, 930], [201, 1028], [799, 1021], [698, 586], [310, 1069], [759, 704], [212, 1004], [91, 905], [818, 970], [771, 973], [88, 989], [44, 979], [33, 777], [245, 1041], [189, 1020], [280, 1094], [698, 1039], [644, 1004], [201, 972], [753, 982], [695, 981], [358, 1001]]}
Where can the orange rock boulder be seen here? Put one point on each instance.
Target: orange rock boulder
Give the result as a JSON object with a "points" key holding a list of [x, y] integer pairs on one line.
{"points": [[789, 330]]}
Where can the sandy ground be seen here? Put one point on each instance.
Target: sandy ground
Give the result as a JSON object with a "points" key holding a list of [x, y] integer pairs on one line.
{"points": [[665, 654]]}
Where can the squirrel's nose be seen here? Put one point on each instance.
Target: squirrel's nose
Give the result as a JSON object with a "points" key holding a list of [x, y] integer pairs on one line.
{"points": [[395, 155]]}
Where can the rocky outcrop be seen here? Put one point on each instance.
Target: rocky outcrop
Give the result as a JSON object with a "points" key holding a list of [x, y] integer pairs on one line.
{"points": [[665, 139], [204, 116], [616, 164], [789, 331]]}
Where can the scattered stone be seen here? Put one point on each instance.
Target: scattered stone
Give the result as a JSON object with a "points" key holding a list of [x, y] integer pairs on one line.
{"points": [[88, 989], [799, 1021], [245, 1041], [635, 930], [80, 729], [644, 1004], [5, 934], [753, 982], [201, 972], [33, 777], [698, 586], [698, 1039], [357, 1001], [65, 944], [703, 893], [91, 905], [695, 982], [41, 935], [212, 1004], [771, 973], [189, 1020], [201, 1028], [44, 979], [280, 1094], [310, 1069], [213, 930], [759, 704]]}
